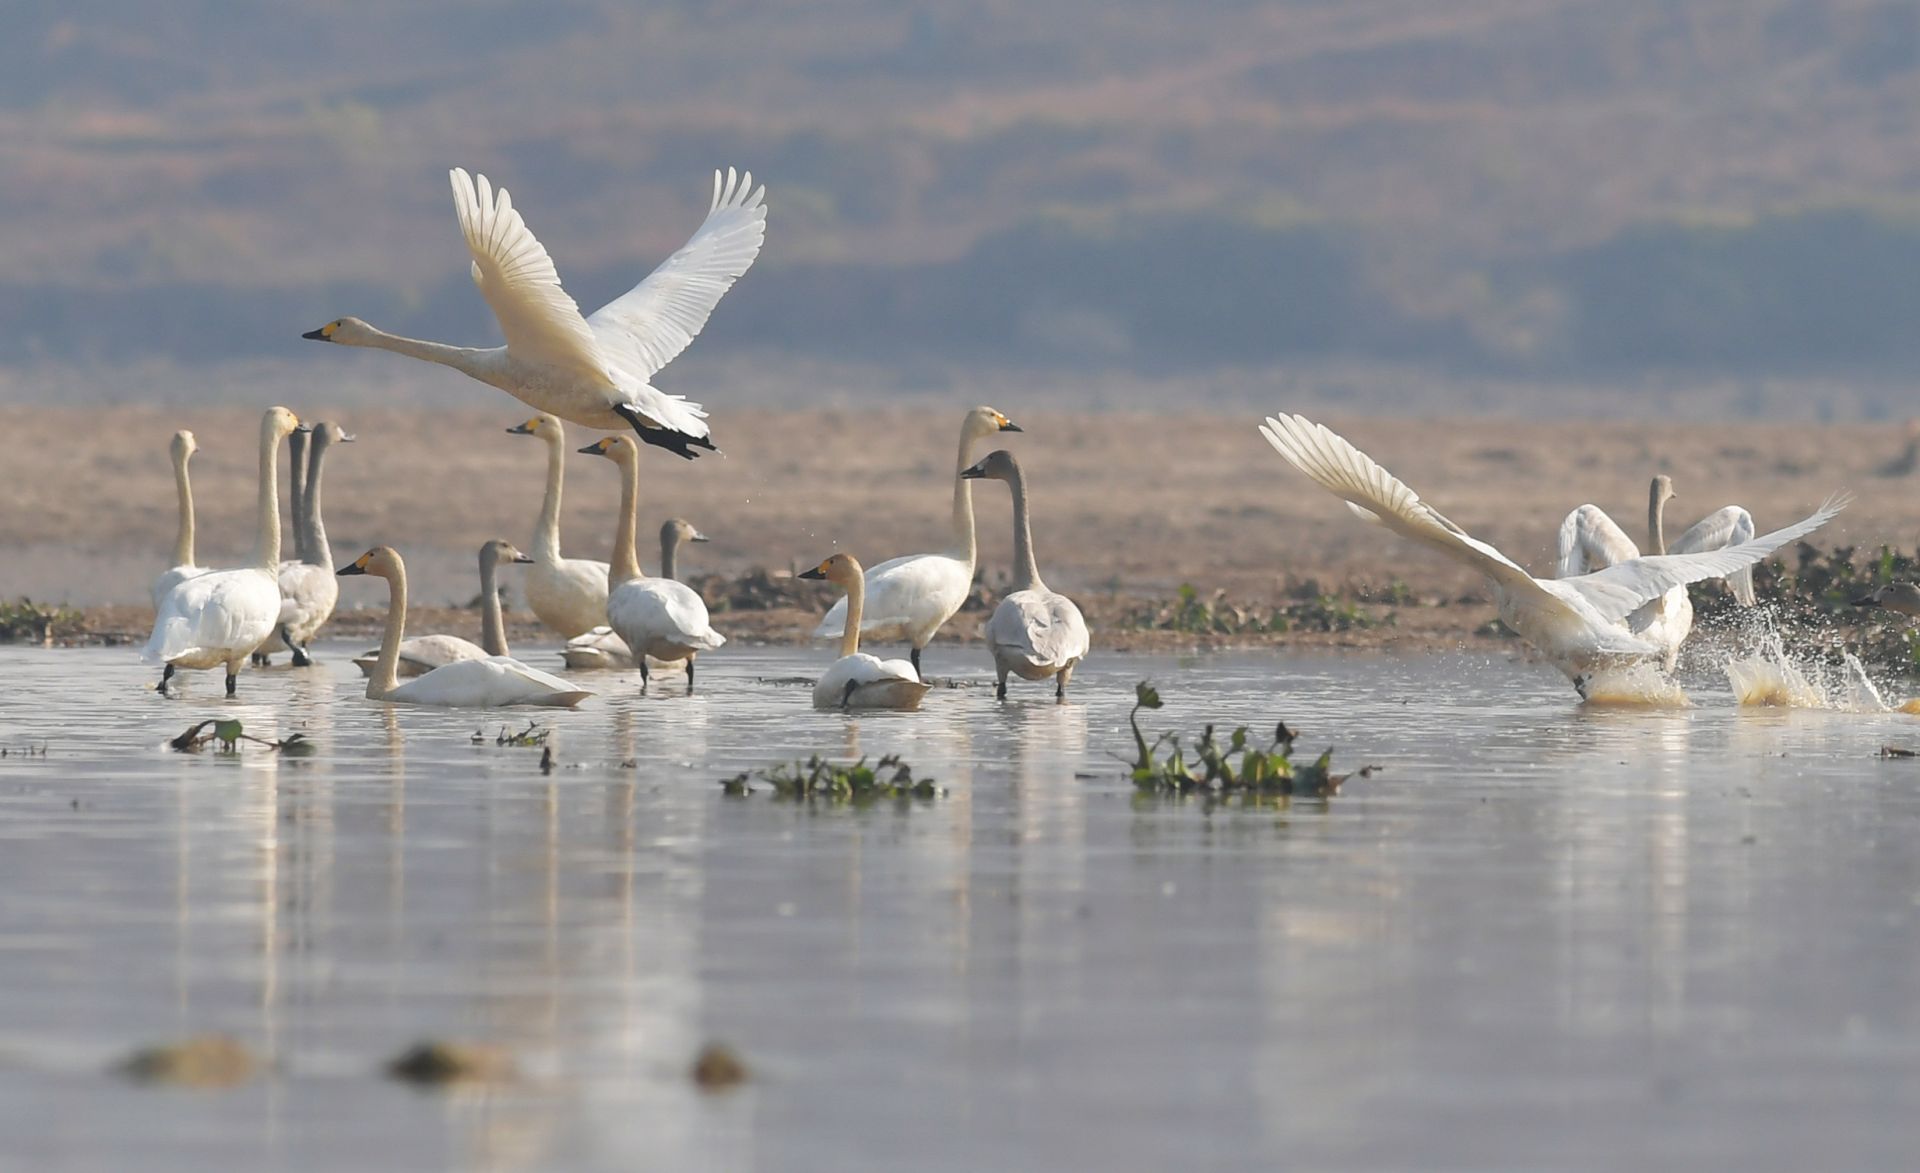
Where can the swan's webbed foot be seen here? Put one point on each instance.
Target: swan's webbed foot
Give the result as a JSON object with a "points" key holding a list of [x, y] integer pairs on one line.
{"points": [[300, 657], [678, 443]]}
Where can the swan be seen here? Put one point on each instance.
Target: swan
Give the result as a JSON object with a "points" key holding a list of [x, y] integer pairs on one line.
{"points": [[911, 597], [1034, 632], [657, 617], [421, 654], [308, 587], [1902, 597], [182, 449], [567, 594], [1589, 541], [220, 616], [1574, 622], [601, 647], [592, 370], [857, 680], [297, 489], [491, 682]]}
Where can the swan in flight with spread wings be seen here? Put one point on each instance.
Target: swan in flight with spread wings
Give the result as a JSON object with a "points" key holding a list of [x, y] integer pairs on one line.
{"points": [[1576, 623], [594, 370], [1590, 541]]}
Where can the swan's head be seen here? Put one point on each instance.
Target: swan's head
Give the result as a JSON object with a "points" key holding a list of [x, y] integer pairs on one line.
{"points": [[183, 446], [278, 424], [326, 432], [1661, 491], [498, 551], [381, 562], [841, 568], [985, 421], [619, 449], [346, 331], [1903, 597], [542, 425], [998, 465], [679, 529]]}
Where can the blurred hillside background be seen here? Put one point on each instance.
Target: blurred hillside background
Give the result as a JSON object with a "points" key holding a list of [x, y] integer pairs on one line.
{"points": [[1674, 207]]}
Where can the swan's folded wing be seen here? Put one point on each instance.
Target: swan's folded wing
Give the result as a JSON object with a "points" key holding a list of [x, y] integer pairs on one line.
{"points": [[1045, 627], [1618, 590], [1589, 540], [534, 676], [645, 328], [539, 320], [1730, 526], [1350, 474]]}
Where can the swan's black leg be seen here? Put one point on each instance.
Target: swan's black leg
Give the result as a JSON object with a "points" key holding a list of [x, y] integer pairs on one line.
{"points": [[166, 677], [260, 659], [846, 698], [300, 657], [678, 443], [1000, 689], [689, 675], [914, 655], [233, 682], [645, 678]]}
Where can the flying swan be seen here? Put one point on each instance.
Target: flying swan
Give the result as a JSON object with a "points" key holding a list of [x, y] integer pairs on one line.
{"points": [[1576, 623], [594, 370]]}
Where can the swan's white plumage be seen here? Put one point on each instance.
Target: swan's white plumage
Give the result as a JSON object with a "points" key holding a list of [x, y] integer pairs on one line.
{"points": [[876, 684], [908, 598], [538, 318], [1574, 622], [1035, 633], [661, 618], [490, 682], [181, 449], [214, 617], [421, 654], [601, 647], [1728, 526]]}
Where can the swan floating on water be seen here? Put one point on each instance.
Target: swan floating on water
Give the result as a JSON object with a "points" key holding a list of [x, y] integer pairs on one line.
{"points": [[1035, 632], [858, 680], [421, 654], [1576, 623], [593, 370]]}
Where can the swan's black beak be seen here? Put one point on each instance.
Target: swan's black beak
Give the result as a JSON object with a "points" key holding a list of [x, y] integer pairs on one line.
{"points": [[525, 429], [303, 429], [519, 557], [348, 437], [1865, 601], [1010, 426], [697, 536], [976, 473], [319, 335], [813, 574], [351, 568], [592, 449]]}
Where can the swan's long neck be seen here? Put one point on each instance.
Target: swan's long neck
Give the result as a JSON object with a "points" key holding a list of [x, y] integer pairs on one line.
{"points": [[183, 489], [963, 544], [670, 552], [1657, 520], [266, 549], [626, 559], [493, 625], [546, 532], [386, 671], [480, 364], [856, 603], [313, 526], [297, 492], [1026, 575]]}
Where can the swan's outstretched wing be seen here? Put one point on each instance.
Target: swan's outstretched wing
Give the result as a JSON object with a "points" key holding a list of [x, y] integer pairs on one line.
{"points": [[1730, 526], [1376, 495], [1590, 540], [537, 317], [645, 328], [1616, 591]]}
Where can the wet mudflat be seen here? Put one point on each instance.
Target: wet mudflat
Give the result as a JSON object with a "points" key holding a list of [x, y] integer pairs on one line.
{"points": [[1545, 936]]}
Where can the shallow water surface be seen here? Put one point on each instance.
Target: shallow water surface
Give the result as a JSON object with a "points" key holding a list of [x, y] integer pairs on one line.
{"points": [[1544, 936]]}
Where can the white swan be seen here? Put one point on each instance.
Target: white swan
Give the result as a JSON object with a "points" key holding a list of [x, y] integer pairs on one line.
{"points": [[1589, 541], [182, 449], [1574, 622], [590, 370], [912, 596], [857, 680], [421, 654], [219, 617], [308, 587], [602, 647], [657, 617], [568, 594], [487, 683], [1035, 632]]}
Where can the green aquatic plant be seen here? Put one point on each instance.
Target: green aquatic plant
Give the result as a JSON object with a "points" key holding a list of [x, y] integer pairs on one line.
{"points": [[534, 734], [24, 620], [229, 733], [817, 778], [1233, 768]]}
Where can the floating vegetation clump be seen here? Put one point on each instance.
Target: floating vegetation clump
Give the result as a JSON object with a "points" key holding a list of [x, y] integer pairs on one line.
{"points": [[717, 1069], [25, 621], [855, 784], [204, 1061], [534, 734], [1217, 615], [230, 733], [1232, 770], [435, 1062]]}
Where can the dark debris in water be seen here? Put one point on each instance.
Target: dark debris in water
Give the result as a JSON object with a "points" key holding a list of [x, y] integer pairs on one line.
{"points": [[204, 1061], [718, 1069], [438, 1062], [1894, 751], [534, 734], [230, 733], [818, 779]]}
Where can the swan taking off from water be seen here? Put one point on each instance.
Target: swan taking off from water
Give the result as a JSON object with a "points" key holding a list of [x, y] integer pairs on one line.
{"points": [[492, 682], [1574, 622], [421, 654], [594, 370], [1589, 541], [1034, 632], [220, 616], [912, 596], [857, 680], [182, 449]]}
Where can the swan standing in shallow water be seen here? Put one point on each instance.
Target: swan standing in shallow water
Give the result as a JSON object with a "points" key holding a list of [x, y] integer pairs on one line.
{"points": [[602, 647], [308, 587], [657, 617], [1034, 632], [568, 594], [1590, 541], [1576, 623], [912, 596], [421, 654], [857, 680], [493, 682], [182, 449], [592, 370], [220, 616]]}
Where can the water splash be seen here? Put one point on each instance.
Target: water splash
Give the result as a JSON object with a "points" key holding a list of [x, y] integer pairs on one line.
{"points": [[1773, 677], [1640, 686]]}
